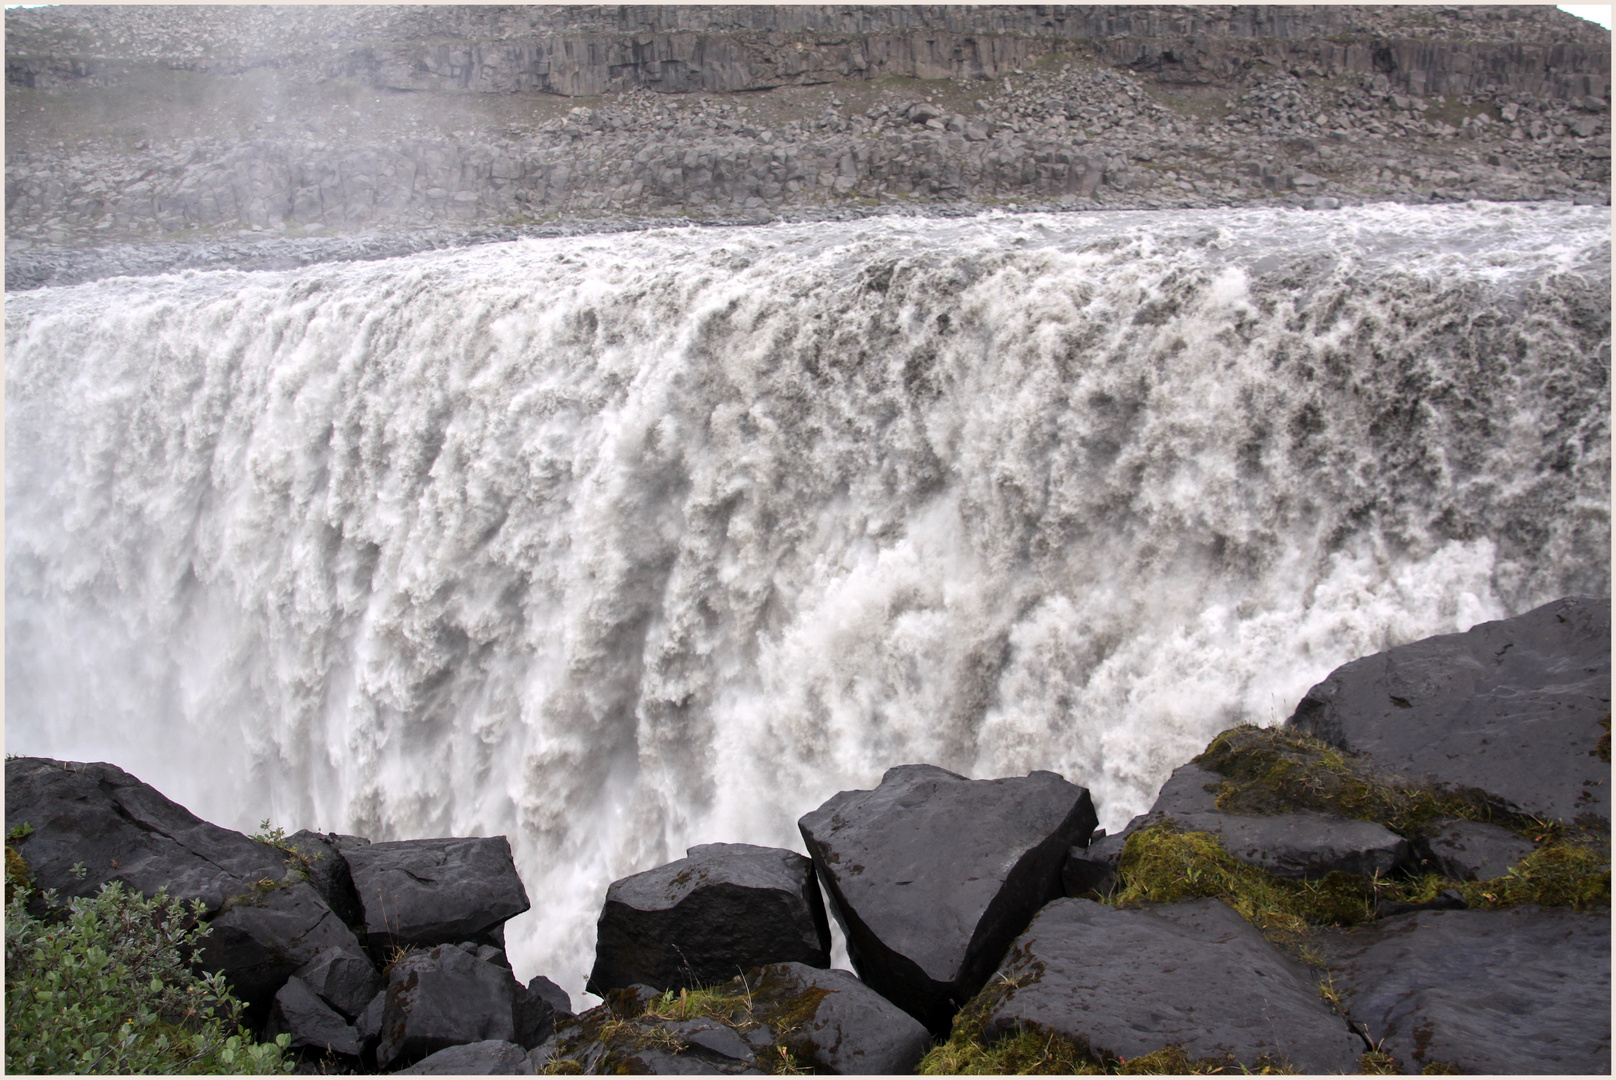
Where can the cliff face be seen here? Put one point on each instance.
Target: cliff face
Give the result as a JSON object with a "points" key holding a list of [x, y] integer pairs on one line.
{"points": [[140, 121]]}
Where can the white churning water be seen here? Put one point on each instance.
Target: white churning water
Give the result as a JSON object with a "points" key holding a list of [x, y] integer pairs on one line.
{"points": [[629, 542]]}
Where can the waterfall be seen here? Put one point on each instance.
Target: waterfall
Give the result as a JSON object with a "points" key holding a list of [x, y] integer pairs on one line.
{"points": [[629, 542]]}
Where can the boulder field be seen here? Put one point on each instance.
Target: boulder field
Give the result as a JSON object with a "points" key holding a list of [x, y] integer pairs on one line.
{"points": [[1411, 874]]}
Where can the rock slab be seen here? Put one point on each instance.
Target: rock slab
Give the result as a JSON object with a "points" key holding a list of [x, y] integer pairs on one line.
{"points": [[722, 910], [931, 875], [444, 997], [438, 891], [1521, 990], [851, 1029], [1511, 708], [1129, 982]]}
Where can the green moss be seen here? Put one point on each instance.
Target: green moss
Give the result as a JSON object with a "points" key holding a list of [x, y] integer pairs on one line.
{"points": [[1378, 1063], [1276, 770], [1602, 748], [762, 996]]}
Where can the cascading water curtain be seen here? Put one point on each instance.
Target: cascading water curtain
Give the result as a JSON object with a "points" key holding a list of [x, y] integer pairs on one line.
{"points": [[625, 543]]}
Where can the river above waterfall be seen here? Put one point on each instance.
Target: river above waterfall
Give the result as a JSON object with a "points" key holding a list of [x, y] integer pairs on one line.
{"points": [[621, 543]]}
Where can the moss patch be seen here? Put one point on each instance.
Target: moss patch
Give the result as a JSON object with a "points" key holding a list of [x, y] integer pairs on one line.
{"points": [[624, 1028], [1276, 770]]}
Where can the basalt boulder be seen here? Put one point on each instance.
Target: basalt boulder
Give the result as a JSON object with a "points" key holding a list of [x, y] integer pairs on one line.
{"points": [[1194, 974], [931, 875], [1298, 844], [845, 1027], [261, 938], [124, 830], [1511, 708], [441, 997], [344, 978], [438, 891], [320, 859], [724, 909], [1521, 990], [1473, 850], [491, 1057], [311, 1022]]}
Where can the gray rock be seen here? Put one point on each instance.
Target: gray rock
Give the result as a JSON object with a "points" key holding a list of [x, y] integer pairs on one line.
{"points": [[852, 1030], [1511, 708], [368, 1024], [491, 1057], [327, 871], [124, 830], [444, 997], [261, 940], [1473, 851], [932, 875], [1195, 974], [724, 909], [1301, 844], [1522, 990], [311, 1023], [344, 977], [431, 892], [535, 1009]]}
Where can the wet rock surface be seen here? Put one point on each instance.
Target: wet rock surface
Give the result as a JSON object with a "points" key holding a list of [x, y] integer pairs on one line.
{"points": [[430, 892], [931, 875], [1511, 708], [262, 937], [722, 909], [443, 997], [1523, 990], [490, 1057], [121, 829], [1128, 982], [1300, 844], [311, 1022]]}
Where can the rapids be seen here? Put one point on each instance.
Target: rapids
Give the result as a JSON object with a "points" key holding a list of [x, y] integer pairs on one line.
{"points": [[622, 543]]}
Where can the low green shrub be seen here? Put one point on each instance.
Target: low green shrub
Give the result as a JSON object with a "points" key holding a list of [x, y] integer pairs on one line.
{"points": [[102, 985]]}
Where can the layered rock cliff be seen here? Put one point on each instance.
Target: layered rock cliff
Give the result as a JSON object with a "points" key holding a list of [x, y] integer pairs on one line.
{"points": [[146, 122]]}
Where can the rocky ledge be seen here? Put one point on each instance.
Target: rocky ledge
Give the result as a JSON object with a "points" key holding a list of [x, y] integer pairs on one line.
{"points": [[1412, 874], [174, 123]]}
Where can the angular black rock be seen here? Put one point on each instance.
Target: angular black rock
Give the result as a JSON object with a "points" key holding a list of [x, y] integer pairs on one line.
{"points": [[124, 830], [534, 1011], [492, 1057], [444, 997], [1521, 990], [724, 909], [932, 875], [313, 1024], [260, 941], [851, 1029], [1194, 974], [1300, 844], [1473, 851], [1511, 708], [344, 978], [328, 871], [434, 892]]}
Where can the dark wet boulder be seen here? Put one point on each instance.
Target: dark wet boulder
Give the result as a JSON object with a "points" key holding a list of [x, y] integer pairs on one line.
{"points": [[932, 875], [840, 1024], [433, 892], [344, 978], [319, 857], [1298, 844], [121, 829], [491, 1057], [1473, 851], [724, 909], [312, 1024], [442, 997], [1511, 708], [791, 1015], [262, 937], [535, 1008], [1520, 990], [1195, 974]]}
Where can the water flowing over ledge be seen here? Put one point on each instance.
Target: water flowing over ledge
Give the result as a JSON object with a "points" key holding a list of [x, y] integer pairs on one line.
{"points": [[621, 543]]}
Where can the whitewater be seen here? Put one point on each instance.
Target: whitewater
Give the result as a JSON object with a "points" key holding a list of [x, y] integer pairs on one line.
{"points": [[623, 543]]}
